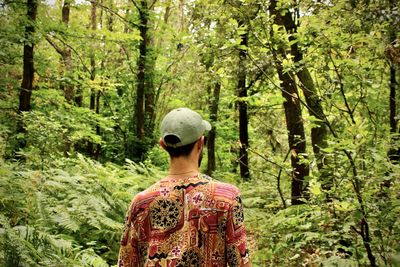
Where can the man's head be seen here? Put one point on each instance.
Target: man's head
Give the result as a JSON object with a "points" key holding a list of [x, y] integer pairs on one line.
{"points": [[181, 129]]}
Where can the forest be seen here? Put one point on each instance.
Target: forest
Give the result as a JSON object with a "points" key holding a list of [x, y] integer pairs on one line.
{"points": [[302, 96]]}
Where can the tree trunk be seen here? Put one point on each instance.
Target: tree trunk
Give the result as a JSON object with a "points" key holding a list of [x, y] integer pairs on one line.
{"points": [[320, 131], [78, 98], [92, 104], [294, 123], [25, 92], [97, 150], [141, 74], [394, 151], [93, 23], [66, 55], [392, 100], [296, 135], [28, 67], [149, 94], [181, 15], [214, 101], [144, 116], [110, 17], [242, 107]]}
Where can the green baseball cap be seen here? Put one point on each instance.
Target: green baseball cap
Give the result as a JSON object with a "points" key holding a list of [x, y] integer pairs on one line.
{"points": [[185, 124]]}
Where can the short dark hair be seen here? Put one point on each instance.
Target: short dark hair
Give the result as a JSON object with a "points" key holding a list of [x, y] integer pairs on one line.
{"points": [[174, 152]]}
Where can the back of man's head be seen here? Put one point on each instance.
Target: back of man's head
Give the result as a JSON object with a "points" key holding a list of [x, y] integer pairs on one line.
{"points": [[180, 130]]}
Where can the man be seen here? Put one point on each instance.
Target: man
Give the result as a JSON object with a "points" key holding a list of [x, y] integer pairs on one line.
{"points": [[186, 218]]}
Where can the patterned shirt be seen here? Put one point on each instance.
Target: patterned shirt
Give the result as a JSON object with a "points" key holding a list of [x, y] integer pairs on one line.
{"points": [[194, 221]]}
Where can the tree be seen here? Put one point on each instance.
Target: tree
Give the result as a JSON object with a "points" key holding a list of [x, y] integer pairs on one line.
{"points": [[247, 13], [28, 75], [145, 92], [214, 94], [94, 149], [242, 108], [393, 54], [28, 68], [285, 18], [294, 120], [65, 53]]}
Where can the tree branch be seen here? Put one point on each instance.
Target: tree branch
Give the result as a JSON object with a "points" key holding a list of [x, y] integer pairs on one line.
{"points": [[74, 50], [54, 45], [341, 86], [110, 10], [136, 5]]}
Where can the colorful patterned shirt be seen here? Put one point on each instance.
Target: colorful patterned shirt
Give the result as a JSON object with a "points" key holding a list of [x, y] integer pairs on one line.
{"points": [[194, 221]]}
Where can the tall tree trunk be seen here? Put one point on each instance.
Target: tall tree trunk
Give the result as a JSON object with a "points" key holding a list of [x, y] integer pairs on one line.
{"points": [[242, 107], [66, 54], [93, 26], [69, 87], [394, 59], [28, 67], [78, 98], [149, 94], [97, 150], [66, 68], [320, 131], [181, 15], [110, 17], [394, 151], [25, 92], [144, 116], [92, 104], [294, 123], [141, 74], [392, 100], [214, 101], [296, 135]]}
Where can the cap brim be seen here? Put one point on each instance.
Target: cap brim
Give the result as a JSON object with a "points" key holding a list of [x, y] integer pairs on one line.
{"points": [[207, 125]]}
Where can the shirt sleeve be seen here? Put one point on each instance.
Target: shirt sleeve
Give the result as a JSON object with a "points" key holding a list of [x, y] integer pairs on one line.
{"points": [[128, 253], [236, 249]]}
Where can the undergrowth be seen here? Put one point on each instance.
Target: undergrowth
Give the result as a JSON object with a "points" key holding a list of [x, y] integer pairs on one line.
{"points": [[71, 214]]}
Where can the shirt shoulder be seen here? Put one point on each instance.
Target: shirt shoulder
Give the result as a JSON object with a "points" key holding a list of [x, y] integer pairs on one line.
{"points": [[226, 190], [142, 199]]}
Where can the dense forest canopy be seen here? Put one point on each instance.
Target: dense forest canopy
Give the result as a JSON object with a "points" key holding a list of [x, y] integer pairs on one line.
{"points": [[302, 96]]}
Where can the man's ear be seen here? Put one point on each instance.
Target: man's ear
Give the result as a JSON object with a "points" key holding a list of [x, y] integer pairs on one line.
{"points": [[162, 144], [200, 142]]}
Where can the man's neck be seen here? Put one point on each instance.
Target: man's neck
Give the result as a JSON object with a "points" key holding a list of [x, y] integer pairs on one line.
{"points": [[183, 166]]}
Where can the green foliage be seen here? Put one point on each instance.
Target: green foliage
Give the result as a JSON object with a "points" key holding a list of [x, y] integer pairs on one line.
{"points": [[315, 234], [71, 213], [58, 127], [60, 207]]}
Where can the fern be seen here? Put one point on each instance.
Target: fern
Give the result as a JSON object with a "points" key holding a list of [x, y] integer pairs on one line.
{"points": [[70, 214]]}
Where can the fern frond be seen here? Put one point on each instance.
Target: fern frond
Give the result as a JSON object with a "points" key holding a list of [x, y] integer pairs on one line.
{"points": [[64, 220], [88, 257]]}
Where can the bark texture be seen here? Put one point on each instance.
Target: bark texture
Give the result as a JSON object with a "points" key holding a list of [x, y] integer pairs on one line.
{"points": [[242, 108], [66, 54], [28, 64], [144, 115], [92, 148], [320, 131], [394, 59], [214, 95], [294, 121], [141, 71]]}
